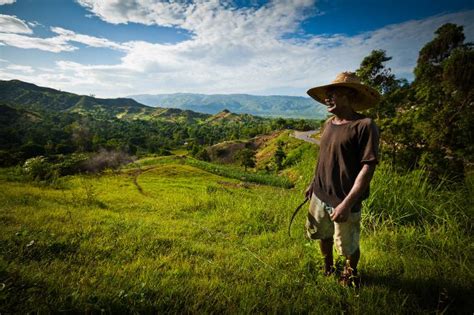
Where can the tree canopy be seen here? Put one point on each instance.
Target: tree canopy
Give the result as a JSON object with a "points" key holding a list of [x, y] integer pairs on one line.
{"points": [[427, 123]]}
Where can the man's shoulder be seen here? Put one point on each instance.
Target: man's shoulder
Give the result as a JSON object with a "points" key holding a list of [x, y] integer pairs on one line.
{"points": [[365, 121]]}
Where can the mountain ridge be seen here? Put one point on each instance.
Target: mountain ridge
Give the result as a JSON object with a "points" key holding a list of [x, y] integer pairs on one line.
{"points": [[29, 96], [259, 105]]}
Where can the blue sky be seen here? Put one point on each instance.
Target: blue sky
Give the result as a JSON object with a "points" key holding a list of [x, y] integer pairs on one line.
{"points": [[113, 48]]}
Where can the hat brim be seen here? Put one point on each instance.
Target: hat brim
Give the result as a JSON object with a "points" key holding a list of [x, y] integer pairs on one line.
{"points": [[366, 97]]}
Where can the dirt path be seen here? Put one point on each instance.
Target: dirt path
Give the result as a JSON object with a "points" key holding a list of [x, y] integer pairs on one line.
{"points": [[306, 136], [135, 181], [137, 173]]}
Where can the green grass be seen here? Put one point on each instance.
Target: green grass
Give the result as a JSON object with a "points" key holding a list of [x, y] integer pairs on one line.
{"points": [[191, 241], [238, 173]]}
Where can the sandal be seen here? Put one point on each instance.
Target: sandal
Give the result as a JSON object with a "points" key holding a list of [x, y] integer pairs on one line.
{"points": [[350, 278]]}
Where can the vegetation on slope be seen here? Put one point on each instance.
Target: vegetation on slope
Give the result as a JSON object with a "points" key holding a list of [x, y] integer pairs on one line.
{"points": [[191, 241]]}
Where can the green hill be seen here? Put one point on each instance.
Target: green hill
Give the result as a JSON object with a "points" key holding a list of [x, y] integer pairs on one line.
{"points": [[166, 237], [42, 99], [33, 97], [44, 121]]}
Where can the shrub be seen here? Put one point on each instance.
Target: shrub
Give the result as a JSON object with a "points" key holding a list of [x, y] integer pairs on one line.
{"points": [[71, 164], [39, 169], [203, 155], [8, 158], [29, 150], [106, 160]]}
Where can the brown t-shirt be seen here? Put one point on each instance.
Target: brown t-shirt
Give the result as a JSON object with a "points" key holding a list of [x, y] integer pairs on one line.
{"points": [[343, 150]]}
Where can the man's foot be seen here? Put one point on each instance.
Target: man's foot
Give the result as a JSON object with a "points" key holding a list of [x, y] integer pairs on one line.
{"points": [[350, 278], [329, 271]]}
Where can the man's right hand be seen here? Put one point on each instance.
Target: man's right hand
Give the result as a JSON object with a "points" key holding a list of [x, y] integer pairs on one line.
{"points": [[309, 191]]}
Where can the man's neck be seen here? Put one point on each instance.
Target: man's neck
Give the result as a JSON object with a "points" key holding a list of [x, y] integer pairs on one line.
{"points": [[344, 117]]}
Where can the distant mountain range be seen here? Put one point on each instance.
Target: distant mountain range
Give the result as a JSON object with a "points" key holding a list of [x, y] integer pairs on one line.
{"points": [[269, 106], [29, 96]]}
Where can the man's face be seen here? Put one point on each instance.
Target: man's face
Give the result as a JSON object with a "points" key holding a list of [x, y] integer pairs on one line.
{"points": [[337, 100]]}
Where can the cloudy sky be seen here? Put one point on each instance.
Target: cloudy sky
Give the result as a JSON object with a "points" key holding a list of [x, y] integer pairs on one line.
{"points": [[114, 48]]}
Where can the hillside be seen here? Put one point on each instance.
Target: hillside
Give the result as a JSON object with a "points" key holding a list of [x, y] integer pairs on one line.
{"points": [[269, 106], [44, 121], [33, 97], [27, 96], [30, 97], [161, 236], [264, 146], [178, 107]]}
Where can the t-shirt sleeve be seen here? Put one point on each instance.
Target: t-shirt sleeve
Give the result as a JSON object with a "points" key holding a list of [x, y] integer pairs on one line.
{"points": [[369, 143]]}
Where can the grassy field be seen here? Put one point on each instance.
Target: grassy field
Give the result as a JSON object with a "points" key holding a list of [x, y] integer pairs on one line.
{"points": [[171, 237]]}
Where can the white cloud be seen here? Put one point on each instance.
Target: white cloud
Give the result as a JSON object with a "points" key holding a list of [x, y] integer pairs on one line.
{"points": [[13, 29], [21, 68], [53, 44], [35, 24], [209, 20], [70, 36], [2, 2], [12, 24]]}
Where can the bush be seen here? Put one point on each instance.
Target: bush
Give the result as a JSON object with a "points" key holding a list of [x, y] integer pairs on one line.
{"points": [[39, 169], [106, 160], [29, 150], [71, 164], [203, 155], [296, 155], [8, 158]]}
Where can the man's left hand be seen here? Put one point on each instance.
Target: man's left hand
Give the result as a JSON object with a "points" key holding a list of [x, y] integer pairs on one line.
{"points": [[340, 214]]}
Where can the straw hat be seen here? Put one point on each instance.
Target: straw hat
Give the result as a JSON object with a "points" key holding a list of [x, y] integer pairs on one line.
{"points": [[366, 97]]}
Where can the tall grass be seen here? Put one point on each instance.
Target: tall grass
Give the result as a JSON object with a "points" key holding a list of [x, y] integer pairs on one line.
{"points": [[403, 199], [194, 242]]}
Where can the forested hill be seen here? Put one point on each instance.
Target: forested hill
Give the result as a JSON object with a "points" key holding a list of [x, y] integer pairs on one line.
{"points": [[270, 106], [33, 97], [42, 121], [188, 106], [27, 96]]}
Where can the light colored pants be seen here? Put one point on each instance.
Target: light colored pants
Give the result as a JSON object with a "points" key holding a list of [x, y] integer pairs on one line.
{"points": [[319, 226]]}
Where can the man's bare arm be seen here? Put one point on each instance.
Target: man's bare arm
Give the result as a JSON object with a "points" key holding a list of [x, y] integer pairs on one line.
{"points": [[362, 182]]}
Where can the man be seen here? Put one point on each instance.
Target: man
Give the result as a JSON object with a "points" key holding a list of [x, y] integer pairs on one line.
{"points": [[346, 164]]}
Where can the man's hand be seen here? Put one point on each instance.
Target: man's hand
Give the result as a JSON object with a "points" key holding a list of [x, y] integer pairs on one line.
{"points": [[309, 191], [341, 213]]}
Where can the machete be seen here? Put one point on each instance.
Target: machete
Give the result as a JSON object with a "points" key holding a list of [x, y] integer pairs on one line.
{"points": [[294, 215]]}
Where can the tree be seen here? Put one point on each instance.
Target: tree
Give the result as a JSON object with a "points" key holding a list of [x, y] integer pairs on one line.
{"points": [[203, 155], [427, 123], [449, 37], [279, 156], [247, 158], [373, 72], [444, 101]]}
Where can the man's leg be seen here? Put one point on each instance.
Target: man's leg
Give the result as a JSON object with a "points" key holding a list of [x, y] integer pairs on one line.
{"points": [[320, 227], [353, 260], [326, 251], [347, 236]]}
